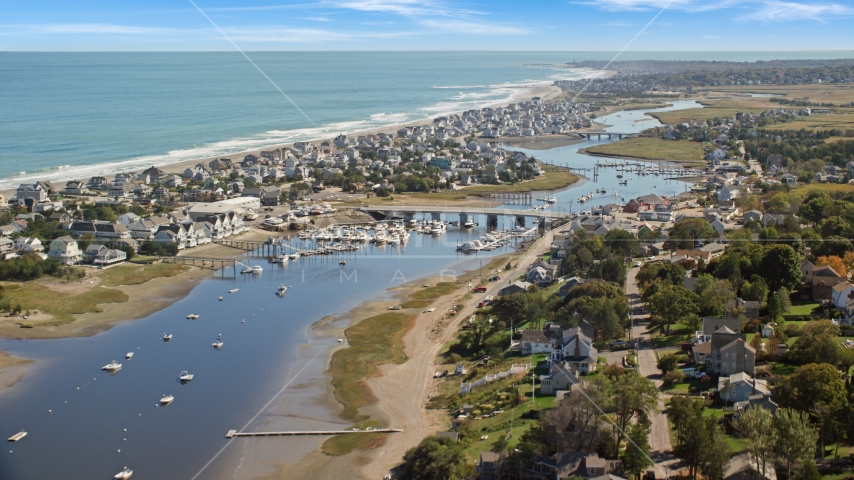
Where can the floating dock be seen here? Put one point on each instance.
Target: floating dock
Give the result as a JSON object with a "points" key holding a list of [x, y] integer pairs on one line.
{"points": [[17, 436], [235, 433]]}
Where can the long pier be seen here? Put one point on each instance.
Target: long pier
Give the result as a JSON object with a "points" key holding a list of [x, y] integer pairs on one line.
{"points": [[235, 433], [196, 261]]}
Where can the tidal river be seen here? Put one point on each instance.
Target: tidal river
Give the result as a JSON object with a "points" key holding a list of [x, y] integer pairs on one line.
{"points": [[85, 423]]}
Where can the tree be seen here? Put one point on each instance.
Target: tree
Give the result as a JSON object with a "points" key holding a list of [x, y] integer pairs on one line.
{"points": [[816, 343], [785, 300], [811, 384], [796, 438], [636, 457], [781, 267], [835, 263], [668, 362], [813, 206], [622, 243], [832, 245], [756, 289], [699, 442], [717, 298], [632, 396], [584, 415], [757, 425], [778, 203], [672, 303], [435, 458], [687, 231], [666, 272]]}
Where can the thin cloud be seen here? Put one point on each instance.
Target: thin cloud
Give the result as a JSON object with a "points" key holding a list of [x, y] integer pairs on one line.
{"points": [[273, 34], [91, 28], [317, 19], [756, 10], [471, 27], [616, 24], [790, 11]]}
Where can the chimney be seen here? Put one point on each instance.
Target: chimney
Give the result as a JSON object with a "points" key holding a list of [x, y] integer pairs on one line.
{"points": [[578, 344]]}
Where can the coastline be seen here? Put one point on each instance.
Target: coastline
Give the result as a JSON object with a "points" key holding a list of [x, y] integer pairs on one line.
{"points": [[546, 92]]}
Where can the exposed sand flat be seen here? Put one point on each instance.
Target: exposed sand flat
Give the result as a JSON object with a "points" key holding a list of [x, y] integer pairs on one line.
{"points": [[12, 370]]}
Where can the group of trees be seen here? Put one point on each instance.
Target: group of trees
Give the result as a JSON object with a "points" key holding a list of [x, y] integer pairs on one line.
{"points": [[700, 440], [29, 267], [602, 257], [786, 435]]}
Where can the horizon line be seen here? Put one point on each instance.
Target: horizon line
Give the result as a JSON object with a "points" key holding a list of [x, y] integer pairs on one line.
{"points": [[851, 50]]}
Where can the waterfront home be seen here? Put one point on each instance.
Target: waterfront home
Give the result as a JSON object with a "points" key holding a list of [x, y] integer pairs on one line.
{"points": [[172, 234], [145, 228], [34, 192], [76, 187], [98, 183], [65, 250], [120, 190], [28, 244], [103, 256], [99, 229], [7, 247]]}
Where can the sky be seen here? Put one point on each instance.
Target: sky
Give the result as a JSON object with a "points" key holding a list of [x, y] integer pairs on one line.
{"points": [[576, 25]]}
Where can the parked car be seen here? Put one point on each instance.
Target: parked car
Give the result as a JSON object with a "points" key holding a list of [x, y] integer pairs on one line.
{"points": [[495, 278], [479, 289], [481, 304]]}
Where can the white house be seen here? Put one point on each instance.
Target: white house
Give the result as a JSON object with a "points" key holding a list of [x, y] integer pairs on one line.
{"points": [[575, 349], [841, 294], [66, 250], [28, 244], [101, 255]]}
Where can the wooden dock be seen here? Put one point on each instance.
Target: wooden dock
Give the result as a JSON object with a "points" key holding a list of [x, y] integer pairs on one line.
{"points": [[17, 436], [235, 433]]}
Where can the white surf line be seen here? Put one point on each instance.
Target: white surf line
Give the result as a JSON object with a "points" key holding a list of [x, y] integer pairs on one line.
{"points": [[260, 411], [253, 63]]}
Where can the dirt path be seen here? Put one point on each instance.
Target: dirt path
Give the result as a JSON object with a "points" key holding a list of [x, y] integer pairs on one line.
{"points": [[402, 389]]}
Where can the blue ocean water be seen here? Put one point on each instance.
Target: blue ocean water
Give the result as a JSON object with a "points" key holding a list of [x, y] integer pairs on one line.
{"points": [[73, 115]]}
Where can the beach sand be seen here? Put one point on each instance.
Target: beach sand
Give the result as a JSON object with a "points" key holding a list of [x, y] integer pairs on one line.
{"points": [[545, 92]]}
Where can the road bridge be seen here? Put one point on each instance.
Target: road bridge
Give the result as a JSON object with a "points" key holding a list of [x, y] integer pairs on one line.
{"points": [[544, 217], [589, 135]]}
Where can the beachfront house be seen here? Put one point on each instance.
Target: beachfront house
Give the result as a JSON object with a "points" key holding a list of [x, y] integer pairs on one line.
{"points": [[102, 256], [65, 250]]}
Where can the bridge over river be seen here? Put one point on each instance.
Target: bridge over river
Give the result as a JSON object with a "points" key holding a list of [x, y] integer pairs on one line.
{"points": [[543, 217]]}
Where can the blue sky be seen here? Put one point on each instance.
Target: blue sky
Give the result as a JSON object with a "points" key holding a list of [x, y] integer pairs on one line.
{"points": [[578, 25]]}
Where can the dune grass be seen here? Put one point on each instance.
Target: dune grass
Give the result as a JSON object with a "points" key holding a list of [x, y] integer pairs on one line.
{"points": [[63, 307], [374, 341], [134, 275]]}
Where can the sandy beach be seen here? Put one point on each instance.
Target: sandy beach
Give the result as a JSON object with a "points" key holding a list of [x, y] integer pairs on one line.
{"points": [[545, 92]]}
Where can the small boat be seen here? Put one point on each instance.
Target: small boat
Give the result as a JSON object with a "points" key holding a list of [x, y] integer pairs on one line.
{"points": [[342, 263], [257, 269], [112, 366], [194, 316], [468, 224], [283, 259], [247, 270], [18, 436], [167, 337], [340, 340], [234, 290], [166, 399], [218, 343], [185, 376], [281, 290], [619, 176], [294, 256], [220, 298], [129, 355], [396, 307], [126, 473]]}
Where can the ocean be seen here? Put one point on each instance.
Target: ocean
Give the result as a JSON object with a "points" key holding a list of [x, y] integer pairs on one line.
{"points": [[74, 115]]}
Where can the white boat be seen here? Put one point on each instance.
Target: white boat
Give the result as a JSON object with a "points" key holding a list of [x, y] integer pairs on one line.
{"points": [[167, 337], [112, 366], [429, 310], [166, 399], [471, 246], [125, 473], [294, 256], [129, 355], [281, 290], [247, 270], [218, 343], [283, 259], [257, 269], [234, 290], [250, 215], [185, 376], [194, 316], [18, 436], [468, 224]]}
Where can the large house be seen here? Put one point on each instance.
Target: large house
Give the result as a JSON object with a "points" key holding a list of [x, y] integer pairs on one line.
{"points": [[65, 250], [102, 256], [576, 349], [726, 353]]}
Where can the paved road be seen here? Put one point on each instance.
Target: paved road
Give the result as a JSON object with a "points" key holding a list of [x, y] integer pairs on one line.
{"points": [[659, 436]]}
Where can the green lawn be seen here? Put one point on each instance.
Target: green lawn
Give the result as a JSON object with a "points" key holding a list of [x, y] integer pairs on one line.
{"points": [[804, 308], [682, 151]]}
